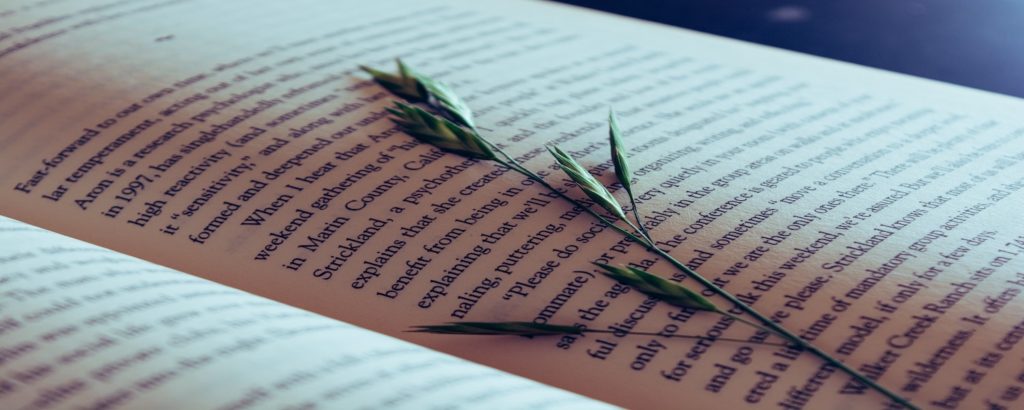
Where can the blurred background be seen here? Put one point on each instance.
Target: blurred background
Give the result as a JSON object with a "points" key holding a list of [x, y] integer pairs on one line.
{"points": [[975, 43]]}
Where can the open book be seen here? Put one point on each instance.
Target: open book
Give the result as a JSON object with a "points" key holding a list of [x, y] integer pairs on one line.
{"points": [[871, 213]]}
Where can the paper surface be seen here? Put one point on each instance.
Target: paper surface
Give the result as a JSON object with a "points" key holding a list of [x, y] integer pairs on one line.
{"points": [[85, 327]]}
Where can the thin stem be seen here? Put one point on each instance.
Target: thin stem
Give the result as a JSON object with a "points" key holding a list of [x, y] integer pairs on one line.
{"points": [[767, 322], [603, 331], [637, 230], [636, 215], [647, 243], [778, 329], [674, 336], [516, 166], [607, 222]]}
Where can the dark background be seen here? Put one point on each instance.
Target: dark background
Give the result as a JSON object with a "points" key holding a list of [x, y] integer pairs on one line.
{"points": [[976, 43]]}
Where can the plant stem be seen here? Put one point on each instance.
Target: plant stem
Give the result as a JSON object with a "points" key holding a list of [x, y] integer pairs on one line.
{"points": [[645, 241], [778, 329], [724, 339], [639, 223], [768, 324]]}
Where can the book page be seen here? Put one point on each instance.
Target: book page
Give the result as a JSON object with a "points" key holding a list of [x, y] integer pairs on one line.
{"points": [[85, 327], [867, 211]]}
